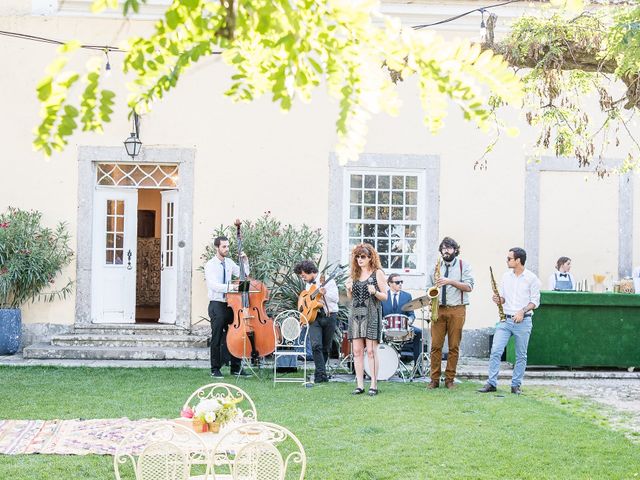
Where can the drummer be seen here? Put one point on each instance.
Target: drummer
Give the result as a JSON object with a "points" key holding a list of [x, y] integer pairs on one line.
{"points": [[393, 306], [561, 279]]}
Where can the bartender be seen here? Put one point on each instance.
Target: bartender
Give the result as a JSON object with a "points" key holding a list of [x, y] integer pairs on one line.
{"points": [[561, 279]]}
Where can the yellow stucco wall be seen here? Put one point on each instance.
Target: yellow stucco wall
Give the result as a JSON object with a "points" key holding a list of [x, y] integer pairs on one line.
{"points": [[252, 158]]}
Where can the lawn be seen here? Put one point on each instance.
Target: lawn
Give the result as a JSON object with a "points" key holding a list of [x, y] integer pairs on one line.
{"points": [[405, 432]]}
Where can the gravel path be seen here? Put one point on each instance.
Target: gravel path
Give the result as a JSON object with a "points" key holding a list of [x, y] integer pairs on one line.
{"points": [[621, 397]]}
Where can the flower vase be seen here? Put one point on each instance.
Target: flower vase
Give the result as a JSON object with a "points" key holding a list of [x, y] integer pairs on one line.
{"points": [[200, 426], [214, 427]]}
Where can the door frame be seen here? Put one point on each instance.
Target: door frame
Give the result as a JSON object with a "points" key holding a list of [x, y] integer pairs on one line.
{"points": [[88, 157]]}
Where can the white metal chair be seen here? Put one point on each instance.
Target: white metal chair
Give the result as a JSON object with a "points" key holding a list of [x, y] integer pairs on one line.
{"points": [[221, 391], [258, 451], [161, 451], [291, 341]]}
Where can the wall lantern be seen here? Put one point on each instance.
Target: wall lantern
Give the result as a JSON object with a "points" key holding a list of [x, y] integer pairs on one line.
{"points": [[133, 143]]}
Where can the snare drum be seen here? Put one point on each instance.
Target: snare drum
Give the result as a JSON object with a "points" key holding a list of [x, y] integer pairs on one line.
{"points": [[396, 328], [387, 362]]}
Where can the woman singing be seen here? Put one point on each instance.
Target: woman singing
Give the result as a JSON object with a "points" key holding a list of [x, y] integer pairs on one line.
{"points": [[366, 287]]}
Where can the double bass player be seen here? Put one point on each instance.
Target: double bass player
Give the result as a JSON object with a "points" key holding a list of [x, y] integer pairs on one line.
{"points": [[218, 273]]}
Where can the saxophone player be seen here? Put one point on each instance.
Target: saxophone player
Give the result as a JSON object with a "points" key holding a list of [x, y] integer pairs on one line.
{"points": [[455, 282]]}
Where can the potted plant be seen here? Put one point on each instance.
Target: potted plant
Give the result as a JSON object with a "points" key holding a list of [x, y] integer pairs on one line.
{"points": [[212, 413], [31, 257]]}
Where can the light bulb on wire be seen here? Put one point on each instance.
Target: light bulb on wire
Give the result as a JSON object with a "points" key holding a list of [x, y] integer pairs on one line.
{"points": [[483, 29], [107, 67]]}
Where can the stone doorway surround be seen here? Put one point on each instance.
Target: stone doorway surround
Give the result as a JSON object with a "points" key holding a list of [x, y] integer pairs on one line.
{"points": [[532, 208], [87, 159]]}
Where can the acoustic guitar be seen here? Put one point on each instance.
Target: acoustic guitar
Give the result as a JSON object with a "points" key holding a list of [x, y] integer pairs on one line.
{"points": [[311, 301]]}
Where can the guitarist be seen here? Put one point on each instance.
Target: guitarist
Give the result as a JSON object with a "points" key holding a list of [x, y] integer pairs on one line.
{"points": [[322, 329]]}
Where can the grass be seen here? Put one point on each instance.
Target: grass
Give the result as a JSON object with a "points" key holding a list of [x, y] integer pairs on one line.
{"points": [[403, 433]]}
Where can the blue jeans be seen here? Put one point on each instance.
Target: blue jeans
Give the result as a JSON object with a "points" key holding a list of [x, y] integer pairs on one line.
{"points": [[521, 332]]}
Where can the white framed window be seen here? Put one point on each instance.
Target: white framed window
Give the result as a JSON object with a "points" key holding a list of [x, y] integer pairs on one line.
{"points": [[384, 208]]}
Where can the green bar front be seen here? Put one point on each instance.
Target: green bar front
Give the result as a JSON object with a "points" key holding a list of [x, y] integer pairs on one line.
{"points": [[583, 329]]}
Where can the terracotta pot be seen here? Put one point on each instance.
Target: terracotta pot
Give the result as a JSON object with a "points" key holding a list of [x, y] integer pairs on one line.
{"points": [[200, 426]]}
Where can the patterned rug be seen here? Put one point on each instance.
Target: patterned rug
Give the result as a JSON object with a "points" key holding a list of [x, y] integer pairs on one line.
{"points": [[65, 437]]}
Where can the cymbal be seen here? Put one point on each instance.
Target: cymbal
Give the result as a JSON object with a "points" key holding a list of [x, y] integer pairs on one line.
{"points": [[416, 304]]}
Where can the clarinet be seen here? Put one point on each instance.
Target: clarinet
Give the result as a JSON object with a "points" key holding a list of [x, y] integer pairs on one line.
{"points": [[494, 287]]}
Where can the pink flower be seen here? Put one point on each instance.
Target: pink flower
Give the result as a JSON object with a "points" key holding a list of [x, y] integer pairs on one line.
{"points": [[186, 412], [5, 225], [4, 270]]}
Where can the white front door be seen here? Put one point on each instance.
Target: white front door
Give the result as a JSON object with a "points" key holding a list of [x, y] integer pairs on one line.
{"points": [[168, 257], [113, 276]]}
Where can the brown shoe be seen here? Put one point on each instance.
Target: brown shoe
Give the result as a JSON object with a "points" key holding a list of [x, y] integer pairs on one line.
{"points": [[449, 384], [433, 384]]}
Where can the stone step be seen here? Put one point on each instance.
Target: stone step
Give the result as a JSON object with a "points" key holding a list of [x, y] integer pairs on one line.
{"points": [[130, 329], [48, 351], [131, 340]]}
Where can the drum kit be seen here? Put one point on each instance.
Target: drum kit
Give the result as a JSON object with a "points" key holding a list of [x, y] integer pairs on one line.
{"points": [[397, 329]]}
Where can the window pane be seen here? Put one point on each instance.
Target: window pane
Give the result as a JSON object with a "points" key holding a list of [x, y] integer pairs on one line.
{"points": [[410, 261], [383, 182], [110, 224], [355, 230], [370, 241], [411, 213], [383, 198], [411, 198], [109, 258], [411, 182], [397, 198], [383, 246], [356, 213], [370, 197], [369, 230], [110, 207], [396, 261], [118, 257], [356, 181], [119, 224], [370, 213], [369, 181], [120, 207], [384, 261], [110, 240], [397, 245], [356, 196], [383, 213], [411, 231], [411, 246], [397, 182], [396, 213], [383, 231], [353, 242], [119, 240]]}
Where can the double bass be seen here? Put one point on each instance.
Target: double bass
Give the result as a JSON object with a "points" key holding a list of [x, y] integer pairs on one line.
{"points": [[251, 334]]}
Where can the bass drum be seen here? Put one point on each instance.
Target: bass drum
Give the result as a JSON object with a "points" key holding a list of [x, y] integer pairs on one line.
{"points": [[387, 362]]}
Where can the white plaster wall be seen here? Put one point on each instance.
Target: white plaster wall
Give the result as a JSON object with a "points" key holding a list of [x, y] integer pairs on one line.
{"points": [[252, 158]]}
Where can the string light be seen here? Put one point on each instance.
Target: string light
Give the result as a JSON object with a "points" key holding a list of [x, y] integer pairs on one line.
{"points": [[107, 67], [451, 19]]}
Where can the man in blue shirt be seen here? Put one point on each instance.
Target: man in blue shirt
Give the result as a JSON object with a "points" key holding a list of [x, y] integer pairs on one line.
{"points": [[393, 306]]}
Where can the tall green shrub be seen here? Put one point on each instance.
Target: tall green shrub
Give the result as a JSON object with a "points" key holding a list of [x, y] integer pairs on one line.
{"points": [[273, 249], [31, 257]]}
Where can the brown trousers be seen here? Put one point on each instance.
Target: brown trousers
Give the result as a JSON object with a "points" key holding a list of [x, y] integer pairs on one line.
{"points": [[450, 323]]}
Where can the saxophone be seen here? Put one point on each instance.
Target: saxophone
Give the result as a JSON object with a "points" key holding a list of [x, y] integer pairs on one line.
{"points": [[434, 293], [494, 287]]}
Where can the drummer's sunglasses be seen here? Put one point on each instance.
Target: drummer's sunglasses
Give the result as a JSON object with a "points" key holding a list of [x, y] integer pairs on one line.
{"points": [[398, 282]]}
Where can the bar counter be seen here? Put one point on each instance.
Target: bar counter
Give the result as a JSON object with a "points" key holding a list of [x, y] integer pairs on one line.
{"points": [[583, 329]]}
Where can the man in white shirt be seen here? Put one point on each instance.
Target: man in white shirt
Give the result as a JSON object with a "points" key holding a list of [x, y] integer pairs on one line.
{"points": [[218, 273], [322, 329], [519, 296]]}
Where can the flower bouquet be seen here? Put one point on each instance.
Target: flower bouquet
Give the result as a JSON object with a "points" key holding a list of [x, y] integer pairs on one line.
{"points": [[212, 413]]}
